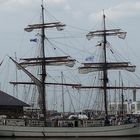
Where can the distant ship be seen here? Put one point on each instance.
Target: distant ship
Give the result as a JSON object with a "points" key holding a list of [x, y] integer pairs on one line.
{"points": [[76, 127]]}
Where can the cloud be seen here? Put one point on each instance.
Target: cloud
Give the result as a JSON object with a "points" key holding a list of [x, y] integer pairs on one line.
{"points": [[56, 1], [11, 6], [4, 1], [67, 7], [127, 9], [15, 1], [31, 1]]}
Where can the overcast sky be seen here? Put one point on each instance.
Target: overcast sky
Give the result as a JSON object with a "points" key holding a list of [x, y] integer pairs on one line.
{"points": [[16, 14]]}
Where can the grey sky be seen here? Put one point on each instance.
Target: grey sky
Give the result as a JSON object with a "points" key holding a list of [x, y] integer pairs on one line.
{"points": [[16, 14]]}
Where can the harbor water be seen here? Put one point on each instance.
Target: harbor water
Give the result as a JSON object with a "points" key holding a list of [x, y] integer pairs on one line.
{"points": [[103, 138]]}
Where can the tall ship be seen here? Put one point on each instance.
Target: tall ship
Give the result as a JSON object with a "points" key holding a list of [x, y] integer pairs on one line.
{"points": [[121, 123]]}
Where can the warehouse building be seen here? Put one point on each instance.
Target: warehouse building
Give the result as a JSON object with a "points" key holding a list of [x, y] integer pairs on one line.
{"points": [[11, 106]]}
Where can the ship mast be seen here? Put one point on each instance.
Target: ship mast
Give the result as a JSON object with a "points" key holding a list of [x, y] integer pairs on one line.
{"points": [[106, 66], [42, 61], [105, 77], [63, 103], [43, 67]]}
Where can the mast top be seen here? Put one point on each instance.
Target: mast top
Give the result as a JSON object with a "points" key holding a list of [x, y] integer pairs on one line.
{"points": [[103, 13], [42, 1], [42, 4], [107, 32]]}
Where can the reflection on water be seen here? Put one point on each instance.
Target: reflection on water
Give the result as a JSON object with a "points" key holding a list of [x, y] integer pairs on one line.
{"points": [[114, 138]]}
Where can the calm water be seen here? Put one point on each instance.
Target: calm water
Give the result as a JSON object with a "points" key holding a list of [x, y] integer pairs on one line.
{"points": [[128, 138]]}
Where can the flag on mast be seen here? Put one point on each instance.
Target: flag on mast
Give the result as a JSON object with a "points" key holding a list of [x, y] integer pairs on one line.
{"points": [[90, 59], [33, 40]]}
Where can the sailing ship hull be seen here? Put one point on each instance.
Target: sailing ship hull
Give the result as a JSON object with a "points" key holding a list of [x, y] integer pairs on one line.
{"points": [[106, 131]]}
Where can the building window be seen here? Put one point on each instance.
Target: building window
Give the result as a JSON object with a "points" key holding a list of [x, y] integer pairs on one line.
{"points": [[138, 106], [133, 107]]}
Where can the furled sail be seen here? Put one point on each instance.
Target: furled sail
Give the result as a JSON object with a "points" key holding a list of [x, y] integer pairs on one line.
{"points": [[58, 25], [93, 67], [49, 61], [111, 32]]}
